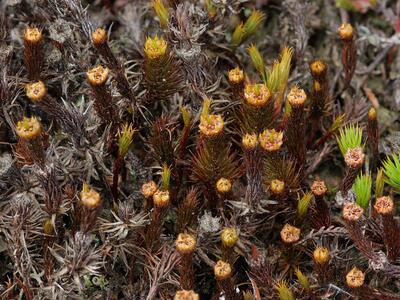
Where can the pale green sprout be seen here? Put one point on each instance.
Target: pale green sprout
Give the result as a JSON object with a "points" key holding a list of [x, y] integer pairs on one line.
{"points": [[337, 123], [351, 4], [244, 31], [391, 168], [185, 116], [165, 177], [162, 12], [379, 184], [205, 112], [349, 137], [278, 75], [362, 188], [284, 292], [253, 23], [125, 139], [303, 279], [238, 34], [303, 204], [211, 9], [257, 60]]}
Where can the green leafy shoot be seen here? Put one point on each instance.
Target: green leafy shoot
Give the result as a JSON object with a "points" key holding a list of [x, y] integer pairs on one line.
{"points": [[211, 9], [278, 74], [284, 292], [391, 168], [244, 31], [253, 23], [349, 138], [362, 188], [257, 60], [353, 5], [303, 204], [238, 35], [288, 109], [162, 12], [165, 177], [185, 116], [125, 139], [379, 184], [303, 279], [337, 123], [205, 112], [345, 4]]}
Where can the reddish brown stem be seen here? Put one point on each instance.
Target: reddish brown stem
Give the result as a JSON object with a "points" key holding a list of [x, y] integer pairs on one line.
{"points": [[103, 104], [186, 272], [33, 59], [86, 218], [35, 148], [321, 216], [47, 257], [295, 132], [323, 272], [69, 120], [391, 237], [228, 287], [154, 229], [253, 160], [320, 96], [360, 241], [366, 292], [349, 60], [373, 137], [322, 140], [116, 170], [187, 211], [348, 180], [25, 288], [117, 69], [314, 128], [184, 140]]}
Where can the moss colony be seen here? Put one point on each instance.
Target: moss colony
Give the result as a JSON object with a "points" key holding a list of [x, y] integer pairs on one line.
{"points": [[172, 149]]}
